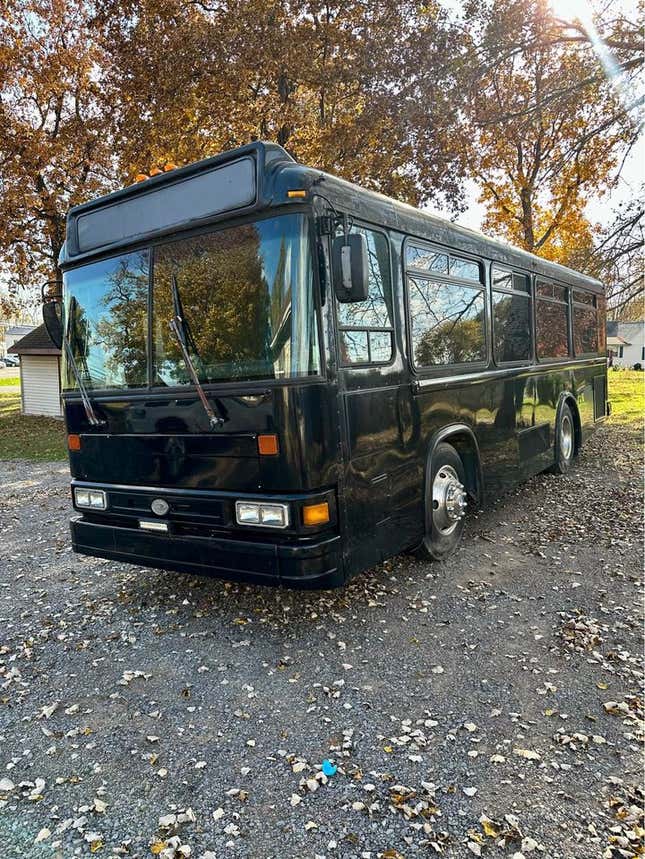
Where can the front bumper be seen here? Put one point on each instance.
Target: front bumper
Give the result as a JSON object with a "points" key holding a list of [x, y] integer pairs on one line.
{"points": [[312, 563]]}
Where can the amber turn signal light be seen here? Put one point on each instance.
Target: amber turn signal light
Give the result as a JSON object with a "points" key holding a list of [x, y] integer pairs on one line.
{"points": [[74, 442], [268, 445], [296, 193], [315, 514]]}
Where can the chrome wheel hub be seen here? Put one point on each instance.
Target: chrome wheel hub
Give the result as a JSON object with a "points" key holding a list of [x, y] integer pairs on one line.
{"points": [[566, 438], [448, 500]]}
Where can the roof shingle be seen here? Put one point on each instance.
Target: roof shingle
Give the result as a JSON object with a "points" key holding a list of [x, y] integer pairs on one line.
{"points": [[37, 342]]}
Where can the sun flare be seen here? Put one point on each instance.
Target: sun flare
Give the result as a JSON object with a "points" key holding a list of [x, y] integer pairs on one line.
{"points": [[573, 10]]}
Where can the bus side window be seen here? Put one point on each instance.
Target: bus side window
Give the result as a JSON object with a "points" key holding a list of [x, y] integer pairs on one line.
{"points": [[446, 307], [585, 324], [366, 327], [511, 316], [552, 320]]}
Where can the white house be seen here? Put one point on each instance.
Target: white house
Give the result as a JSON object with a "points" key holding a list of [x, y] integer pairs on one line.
{"points": [[626, 343], [11, 334], [39, 373]]}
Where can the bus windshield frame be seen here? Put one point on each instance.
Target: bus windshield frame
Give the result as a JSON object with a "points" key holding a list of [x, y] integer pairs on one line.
{"points": [[249, 300]]}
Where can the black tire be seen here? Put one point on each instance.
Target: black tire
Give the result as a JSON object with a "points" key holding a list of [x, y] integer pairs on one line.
{"points": [[442, 538], [565, 441]]}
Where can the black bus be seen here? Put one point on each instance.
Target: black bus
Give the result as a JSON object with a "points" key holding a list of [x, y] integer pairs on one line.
{"points": [[271, 374]]}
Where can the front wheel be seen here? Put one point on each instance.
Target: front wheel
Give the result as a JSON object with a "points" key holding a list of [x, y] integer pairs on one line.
{"points": [[445, 505], [565, 441]]}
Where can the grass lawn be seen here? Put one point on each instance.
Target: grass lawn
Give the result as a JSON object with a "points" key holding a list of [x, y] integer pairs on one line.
{"points": [[11, 380], [29, 437], [627, 396]]}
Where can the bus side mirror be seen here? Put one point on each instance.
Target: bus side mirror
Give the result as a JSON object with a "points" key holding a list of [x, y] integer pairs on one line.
{"points": [[350, 268], [52, 299]]}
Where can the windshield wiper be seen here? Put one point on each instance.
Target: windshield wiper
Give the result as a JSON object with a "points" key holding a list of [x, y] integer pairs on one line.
{"points": [[183, 336], [87, 403]]}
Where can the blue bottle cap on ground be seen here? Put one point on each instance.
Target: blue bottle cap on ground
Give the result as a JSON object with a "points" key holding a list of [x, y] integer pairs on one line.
{"points": [[328, 768]]}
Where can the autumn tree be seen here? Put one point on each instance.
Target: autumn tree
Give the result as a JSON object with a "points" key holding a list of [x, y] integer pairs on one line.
{"points": [[363, 90], [617, 259], [91, 95], [547, 126], [54, 150]]}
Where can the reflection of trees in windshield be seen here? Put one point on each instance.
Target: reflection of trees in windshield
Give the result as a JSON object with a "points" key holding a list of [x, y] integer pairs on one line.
{"points": [[75, 332], [247, 297], [106, 321], [223, 296], [122, 329]]}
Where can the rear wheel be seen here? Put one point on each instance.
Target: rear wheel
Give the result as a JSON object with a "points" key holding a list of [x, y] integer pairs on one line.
{"points": [[445, 505], [565, 441]]}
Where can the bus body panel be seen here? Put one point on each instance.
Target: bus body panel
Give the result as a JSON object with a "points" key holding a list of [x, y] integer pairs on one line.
{"points": [[157, 439], [385, 485]]}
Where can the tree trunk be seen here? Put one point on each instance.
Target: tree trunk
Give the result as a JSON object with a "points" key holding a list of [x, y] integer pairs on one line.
{"points": [[527, 219]]}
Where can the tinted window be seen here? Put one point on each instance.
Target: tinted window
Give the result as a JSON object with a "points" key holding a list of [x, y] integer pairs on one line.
{"points": [[437, 262], [106, 322], [426, 259], [583, 298], [380, 346], [521, 282], [354, 346], [551, 290], [502, 279], [511, 327], [247, 300], [601, 306], [365, 347], [447, 322], [551, 322], [464, 268], [585, 330], [511, 316], [358, 345]]}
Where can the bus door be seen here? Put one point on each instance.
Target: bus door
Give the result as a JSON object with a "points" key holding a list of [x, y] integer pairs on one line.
{"points": [[369, 375]]}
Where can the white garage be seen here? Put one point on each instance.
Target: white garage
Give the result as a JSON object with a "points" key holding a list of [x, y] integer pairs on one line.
{"points": [[39, 373]]}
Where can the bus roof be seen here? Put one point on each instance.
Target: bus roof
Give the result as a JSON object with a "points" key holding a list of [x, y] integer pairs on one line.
{"points": [[380, 209], [257, 177]]}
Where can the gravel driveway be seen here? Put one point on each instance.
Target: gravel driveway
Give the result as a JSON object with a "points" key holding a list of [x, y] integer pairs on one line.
{"points": [[487, 706]]}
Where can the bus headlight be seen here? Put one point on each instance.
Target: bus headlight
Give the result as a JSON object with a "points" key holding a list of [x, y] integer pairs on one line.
{"points": [[264, 515], [90, 498]]}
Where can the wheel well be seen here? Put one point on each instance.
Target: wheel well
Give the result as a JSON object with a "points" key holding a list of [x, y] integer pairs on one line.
{"points": [[577, 423], [466, 447]]}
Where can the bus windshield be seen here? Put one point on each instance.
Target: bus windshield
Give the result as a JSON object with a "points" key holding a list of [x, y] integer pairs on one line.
{"points": [[245, 296]]}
